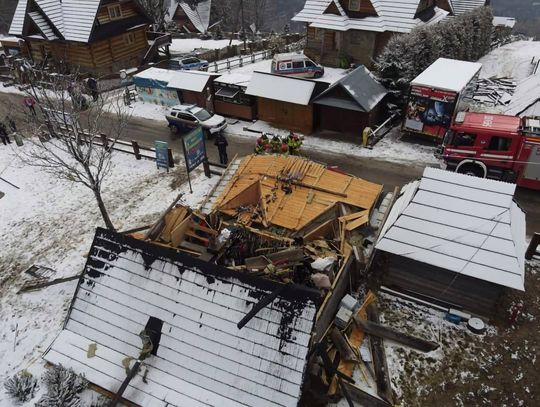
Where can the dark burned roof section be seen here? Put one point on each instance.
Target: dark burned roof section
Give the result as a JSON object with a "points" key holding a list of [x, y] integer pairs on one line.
{"points": [[203, 358], [119, 243], [364, 90]]}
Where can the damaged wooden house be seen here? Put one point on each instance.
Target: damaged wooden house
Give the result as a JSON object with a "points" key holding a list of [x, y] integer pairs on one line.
{"points": [[156, 327]]}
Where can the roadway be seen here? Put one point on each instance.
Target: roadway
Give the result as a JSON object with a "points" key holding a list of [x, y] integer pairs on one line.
{"points": [[390, 174]]}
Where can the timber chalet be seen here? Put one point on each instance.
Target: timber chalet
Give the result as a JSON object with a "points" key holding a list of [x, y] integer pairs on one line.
{"points": [[99, 36], [358, 30]]}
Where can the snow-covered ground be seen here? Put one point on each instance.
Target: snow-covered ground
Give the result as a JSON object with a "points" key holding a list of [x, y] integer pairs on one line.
{"points": [[511, 60], [390, 148], [51, 223], [187, 45]]}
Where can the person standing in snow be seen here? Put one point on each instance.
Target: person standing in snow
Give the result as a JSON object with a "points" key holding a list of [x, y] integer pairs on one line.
{"points": [[29, 102], [221, 143], [4, 135]]}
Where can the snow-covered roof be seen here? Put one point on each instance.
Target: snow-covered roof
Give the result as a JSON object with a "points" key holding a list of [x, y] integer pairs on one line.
{"points": [[391, 16], [199, 15], [282, 88], [504, 21], [468, 225], [362, 87], [448, 74], [202, 358], [195, 81], [526, 98], [463, 6], [240, 79], [73, 19]]}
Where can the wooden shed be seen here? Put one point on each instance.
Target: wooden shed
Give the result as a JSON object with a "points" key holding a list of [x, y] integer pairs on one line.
{"points": [[349, 105], [167, 87], [454, 239], [285, 102]]}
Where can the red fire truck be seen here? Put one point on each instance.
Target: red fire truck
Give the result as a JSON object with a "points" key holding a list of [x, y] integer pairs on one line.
{"points": [[494, 146]]}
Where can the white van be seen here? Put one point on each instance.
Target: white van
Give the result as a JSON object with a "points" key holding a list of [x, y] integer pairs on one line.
{"points": [[296, 64]]}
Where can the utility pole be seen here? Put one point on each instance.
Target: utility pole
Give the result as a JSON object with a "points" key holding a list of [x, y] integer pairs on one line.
{"points": [[243, 24]]}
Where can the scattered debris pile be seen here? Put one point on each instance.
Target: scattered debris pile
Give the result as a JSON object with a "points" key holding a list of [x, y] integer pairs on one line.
{"points": [[495, 91]]}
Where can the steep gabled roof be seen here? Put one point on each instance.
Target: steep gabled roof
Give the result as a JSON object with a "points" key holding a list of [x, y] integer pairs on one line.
{"points": [[199, 15], [360, 85], [463, 6], [202, 358], [391, 16], [461, 223], [73, 20]]}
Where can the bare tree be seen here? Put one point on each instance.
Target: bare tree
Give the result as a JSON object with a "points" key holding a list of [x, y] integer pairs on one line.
{"points": [[157, 10], [66, 130], [259, 13]]}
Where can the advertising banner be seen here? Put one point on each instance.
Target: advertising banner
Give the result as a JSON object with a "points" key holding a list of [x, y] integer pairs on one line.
{"points": [[194, 148]]}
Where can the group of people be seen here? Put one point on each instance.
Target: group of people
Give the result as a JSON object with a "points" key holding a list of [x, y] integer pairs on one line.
{"points": [[277, 145], [7, 127]]}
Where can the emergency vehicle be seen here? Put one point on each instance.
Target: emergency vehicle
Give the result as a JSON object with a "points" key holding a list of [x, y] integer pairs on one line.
{"points": [[496, 146], [297, 65]]}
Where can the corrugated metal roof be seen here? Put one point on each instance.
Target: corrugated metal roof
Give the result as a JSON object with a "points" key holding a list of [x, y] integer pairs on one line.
{"points": [[465, 224], [363, 88], [73, 19], [284, 89], [448, 74], [463, 6], [194, 81], [202, 359], [17, 23], [53, 11], [394, 16], [525, 97], [43, 25], [199, 15]]}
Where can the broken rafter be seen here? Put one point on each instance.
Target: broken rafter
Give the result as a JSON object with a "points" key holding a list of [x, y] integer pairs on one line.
{"points": [[373, 328]]}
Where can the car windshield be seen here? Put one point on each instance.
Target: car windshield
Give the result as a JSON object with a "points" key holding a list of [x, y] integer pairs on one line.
{"points": [[202, 115]]}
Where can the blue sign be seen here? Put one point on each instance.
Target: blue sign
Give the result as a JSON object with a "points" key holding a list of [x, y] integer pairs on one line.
{"points": [[162, 154], [194, 149]]}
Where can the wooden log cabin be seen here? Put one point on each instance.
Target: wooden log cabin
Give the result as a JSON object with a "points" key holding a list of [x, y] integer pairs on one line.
{"points": [[340, 32], [97, 36]]}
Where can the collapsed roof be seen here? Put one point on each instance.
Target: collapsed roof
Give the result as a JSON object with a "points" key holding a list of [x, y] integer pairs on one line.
{"points": [[201, 358], [290, 192]]}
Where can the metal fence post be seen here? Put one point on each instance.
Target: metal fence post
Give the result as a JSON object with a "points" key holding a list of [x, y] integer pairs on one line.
{"points": [[171, 160]]}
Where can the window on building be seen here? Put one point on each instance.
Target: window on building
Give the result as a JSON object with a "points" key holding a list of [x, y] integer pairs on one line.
{"points": [[115, 11], [354, 5], [465, 139], [500, 143], [129, 38], [318, 34]]}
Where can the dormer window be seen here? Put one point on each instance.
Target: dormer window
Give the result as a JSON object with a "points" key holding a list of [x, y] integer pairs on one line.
{"points": [[354, 5], [115, 12]]}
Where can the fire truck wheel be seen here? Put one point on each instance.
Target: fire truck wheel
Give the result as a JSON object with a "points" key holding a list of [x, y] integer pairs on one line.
{"points": [[472, 169]]}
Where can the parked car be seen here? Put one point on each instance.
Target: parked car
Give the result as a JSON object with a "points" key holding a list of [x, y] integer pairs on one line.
{"points": [[294, 64], [188, 64], [191, 116]]}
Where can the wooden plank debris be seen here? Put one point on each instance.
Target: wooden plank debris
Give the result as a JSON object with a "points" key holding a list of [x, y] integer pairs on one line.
{"points": [[380, 365], [38, 285], [385, 332]]}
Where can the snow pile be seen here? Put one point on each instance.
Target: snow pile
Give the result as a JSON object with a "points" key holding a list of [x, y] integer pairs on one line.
{"points": [[187, 45], [52, 223], [511, 60]]}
